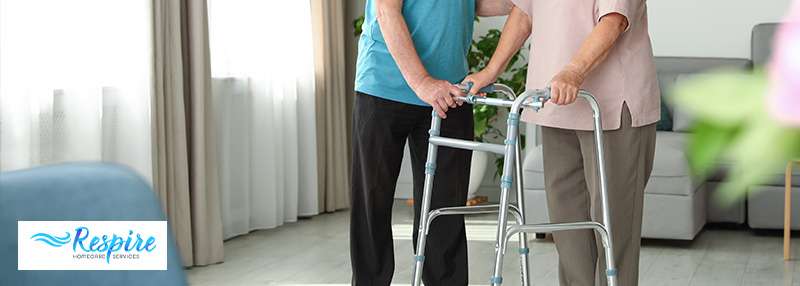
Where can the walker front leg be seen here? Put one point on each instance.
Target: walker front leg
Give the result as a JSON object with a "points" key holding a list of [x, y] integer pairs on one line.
{"points": [[606, 234], [430, 169], [505, 186], [611, 271], [524, 251]]}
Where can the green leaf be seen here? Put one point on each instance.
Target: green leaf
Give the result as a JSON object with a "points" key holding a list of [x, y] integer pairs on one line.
{"points": [[759, 153], [482, 115], [513, 61], [722, 98], [733, 125], [357, 24], [498, 163], [706, 145]]}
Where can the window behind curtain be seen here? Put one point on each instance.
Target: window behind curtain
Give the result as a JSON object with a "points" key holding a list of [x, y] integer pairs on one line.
{"points": [[262, 64], [75, 82]]}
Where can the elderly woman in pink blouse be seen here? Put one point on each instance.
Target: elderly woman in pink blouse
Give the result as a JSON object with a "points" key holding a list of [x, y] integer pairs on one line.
{"points": [[601, 46]]}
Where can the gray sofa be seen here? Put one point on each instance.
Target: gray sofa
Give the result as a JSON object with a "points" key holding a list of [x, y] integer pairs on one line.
{"points": [[765, 202], [677, 205]]}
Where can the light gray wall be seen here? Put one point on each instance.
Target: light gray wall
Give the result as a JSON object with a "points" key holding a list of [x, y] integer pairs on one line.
{"points": [[710, 28], [698, 28]]}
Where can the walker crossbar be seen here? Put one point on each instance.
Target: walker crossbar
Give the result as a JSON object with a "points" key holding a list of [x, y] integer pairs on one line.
{"points": [[465, 210], [532, 99], [551, 227], [468, 145]]}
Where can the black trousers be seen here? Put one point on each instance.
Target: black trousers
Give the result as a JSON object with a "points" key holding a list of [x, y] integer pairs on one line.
{"points": [[380, 130]]}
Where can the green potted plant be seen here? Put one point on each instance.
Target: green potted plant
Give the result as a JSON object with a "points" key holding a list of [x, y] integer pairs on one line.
{"points": [[485, 117]]}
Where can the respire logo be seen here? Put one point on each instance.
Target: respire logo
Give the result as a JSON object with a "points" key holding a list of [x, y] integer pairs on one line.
{"points": [[54, 241], [92, 245]]}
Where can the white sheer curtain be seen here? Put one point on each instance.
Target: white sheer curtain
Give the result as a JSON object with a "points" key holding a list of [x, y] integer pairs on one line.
{"points": [[263, 70], [75, 82]]}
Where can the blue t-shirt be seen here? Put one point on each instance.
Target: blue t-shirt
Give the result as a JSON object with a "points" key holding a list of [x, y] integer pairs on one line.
{"points": [[442, 34]]}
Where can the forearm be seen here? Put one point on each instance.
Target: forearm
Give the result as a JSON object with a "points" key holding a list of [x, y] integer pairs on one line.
{"points": [[398, 41], [489, 8], [598, 44], [515, 32]]}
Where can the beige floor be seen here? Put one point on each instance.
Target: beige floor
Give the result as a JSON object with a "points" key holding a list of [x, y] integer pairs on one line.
{"points": [[315, 252]]}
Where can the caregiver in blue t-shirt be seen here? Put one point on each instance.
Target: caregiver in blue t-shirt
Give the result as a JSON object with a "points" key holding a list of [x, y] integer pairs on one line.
{"points": [[409, 55]]}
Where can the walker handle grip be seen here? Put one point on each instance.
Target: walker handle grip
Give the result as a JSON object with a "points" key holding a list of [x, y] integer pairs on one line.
{"points": [[542, 95], [545, 97], [486, 89]]}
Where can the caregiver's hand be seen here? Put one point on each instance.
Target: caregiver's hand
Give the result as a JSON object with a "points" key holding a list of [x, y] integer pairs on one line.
{"points": [[480, 80], [565, 85], [438, 93]]}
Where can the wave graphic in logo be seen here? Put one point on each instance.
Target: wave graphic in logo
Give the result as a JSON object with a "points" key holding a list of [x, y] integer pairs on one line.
{"points": [[51, 240]]}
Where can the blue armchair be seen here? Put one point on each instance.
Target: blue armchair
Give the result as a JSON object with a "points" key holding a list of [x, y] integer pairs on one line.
{"points": [[78, 191]]}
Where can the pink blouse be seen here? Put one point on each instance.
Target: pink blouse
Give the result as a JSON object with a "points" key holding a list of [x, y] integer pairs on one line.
{"points": [[627, 75]]}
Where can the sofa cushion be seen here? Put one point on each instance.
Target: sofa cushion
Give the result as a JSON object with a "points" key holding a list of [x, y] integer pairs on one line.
{"points": [[532, 168], [670, 158], [663, 216], [665, 122], [765, 207], [778, 179], [681, 120], [670, 69], [720, 210], [669, 163], [674, 217], [679, 186], [761, 43]]}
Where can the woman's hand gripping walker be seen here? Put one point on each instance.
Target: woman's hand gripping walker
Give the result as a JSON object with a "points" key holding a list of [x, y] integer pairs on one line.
{"points": [[534, 100]]}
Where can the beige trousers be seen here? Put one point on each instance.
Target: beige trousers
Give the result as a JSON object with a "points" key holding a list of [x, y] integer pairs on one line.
{"points": [[573, 194]]}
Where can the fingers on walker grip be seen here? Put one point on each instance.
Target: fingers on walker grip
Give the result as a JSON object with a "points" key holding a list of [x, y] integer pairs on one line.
{"points": [[442, 107], [449, 101], [469, 88], [458, 93], [555, 94], [458, 89]]}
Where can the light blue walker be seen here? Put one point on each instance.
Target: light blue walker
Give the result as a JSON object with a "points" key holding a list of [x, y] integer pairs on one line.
{"points": [[534, 100]]}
